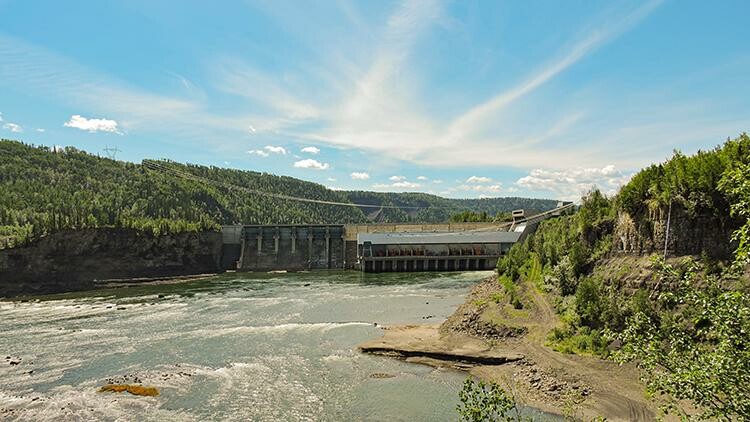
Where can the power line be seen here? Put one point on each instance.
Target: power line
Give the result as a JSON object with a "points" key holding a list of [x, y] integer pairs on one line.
{"points": [[160, 166], [163, 167]]}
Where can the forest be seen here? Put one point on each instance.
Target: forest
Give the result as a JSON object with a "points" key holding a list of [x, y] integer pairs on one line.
{"points": [[688, 330], [44, 189]]}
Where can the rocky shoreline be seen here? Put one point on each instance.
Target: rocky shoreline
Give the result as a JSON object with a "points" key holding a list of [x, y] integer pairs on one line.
{"points": [[76, 260], [513, 355]]}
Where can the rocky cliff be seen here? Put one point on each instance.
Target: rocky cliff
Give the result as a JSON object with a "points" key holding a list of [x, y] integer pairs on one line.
{"points": [[75, 260], [688, 235]]}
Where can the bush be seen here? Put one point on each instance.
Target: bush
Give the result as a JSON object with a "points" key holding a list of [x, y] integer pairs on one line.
{"points": [[486, 402], [697, 352]]}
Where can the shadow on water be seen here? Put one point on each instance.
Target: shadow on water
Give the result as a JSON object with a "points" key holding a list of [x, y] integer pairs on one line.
{"points": [[259, 283]]}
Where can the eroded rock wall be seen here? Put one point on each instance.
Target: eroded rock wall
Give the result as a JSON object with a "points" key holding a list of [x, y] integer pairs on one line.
{"points": [[75, 260], [688, 235]]}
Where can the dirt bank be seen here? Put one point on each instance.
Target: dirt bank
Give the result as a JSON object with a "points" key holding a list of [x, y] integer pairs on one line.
{"points": [[577, 386], [83, 259]]}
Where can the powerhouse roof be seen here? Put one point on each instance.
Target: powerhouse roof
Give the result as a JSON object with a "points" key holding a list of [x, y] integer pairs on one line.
{"points": [[438, 238]]}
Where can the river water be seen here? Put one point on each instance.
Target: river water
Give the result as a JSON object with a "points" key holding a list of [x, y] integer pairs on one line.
{"points": [[266, 347]]}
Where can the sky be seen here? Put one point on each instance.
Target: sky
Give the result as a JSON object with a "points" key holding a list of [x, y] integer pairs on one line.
{"points": [[463, 99]]}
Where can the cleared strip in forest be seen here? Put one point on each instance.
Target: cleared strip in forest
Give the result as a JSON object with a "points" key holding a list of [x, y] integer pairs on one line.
{"points": [[160, 166]]}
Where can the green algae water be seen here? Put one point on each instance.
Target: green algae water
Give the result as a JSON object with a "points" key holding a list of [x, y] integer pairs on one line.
{"points": [[265, 347]]}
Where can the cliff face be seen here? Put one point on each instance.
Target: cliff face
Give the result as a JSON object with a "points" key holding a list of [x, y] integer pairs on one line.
{"points": [[74, 260], [688, 235]]}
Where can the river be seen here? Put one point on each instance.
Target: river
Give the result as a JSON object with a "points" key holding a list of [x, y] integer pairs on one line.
{"points": [[266, 347]]}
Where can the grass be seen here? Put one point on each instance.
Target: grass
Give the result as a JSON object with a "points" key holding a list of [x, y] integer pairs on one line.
{"points": [[581, 342]]}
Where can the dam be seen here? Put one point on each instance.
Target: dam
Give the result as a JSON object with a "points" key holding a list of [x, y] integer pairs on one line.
{"points": [[384, 247]]}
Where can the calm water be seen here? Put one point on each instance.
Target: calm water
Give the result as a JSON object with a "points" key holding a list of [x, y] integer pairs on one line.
{"points": [[245, 347]]}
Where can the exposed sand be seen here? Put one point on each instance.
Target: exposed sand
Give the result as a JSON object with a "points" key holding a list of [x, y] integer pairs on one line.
{"points": [[581, 387]]}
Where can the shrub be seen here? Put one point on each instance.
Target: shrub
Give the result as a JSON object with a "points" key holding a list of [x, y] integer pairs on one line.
{"points": [[486, 402]]}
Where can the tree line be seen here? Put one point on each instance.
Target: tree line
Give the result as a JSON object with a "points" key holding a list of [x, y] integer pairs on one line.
{"points": [[689, 331], [43, 190]]}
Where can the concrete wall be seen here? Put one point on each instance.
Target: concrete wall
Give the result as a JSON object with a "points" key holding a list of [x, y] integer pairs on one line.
{"points": [[300, 247], [353, 229], [303, 247]]}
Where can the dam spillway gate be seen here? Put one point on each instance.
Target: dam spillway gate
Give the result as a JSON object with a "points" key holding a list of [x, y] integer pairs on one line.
{"points": [[369, 247], [384, 247], [283, 247]]}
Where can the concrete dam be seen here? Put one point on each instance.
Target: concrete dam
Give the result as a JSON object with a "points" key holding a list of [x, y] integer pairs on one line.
{"points": [[375, 247]]}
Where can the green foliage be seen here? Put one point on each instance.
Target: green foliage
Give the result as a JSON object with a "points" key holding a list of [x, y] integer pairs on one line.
{"points": [[43, 190], [578, 340], [589, 302], [564, 274], [511, 292], [689, 182], [442, 209], [480, 217], [697, 350], [735, 183], [566, 246], [482, 402]]}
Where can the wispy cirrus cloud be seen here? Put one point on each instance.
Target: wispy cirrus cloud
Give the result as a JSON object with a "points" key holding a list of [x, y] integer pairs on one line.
{"points": [[382, 113]]}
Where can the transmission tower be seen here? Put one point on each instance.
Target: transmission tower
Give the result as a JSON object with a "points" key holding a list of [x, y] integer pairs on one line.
{"points": [[111, 152]]}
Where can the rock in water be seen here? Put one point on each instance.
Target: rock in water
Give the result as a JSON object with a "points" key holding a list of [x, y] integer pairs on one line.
{"points": [[137, 390]]}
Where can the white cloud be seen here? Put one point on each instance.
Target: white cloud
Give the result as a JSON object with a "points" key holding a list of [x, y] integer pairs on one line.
{"points": [[40, 130], [275, 149], [268, 150], [331, 179], [437, 182], [259, 152], [370, 101], [311, 164], [383, 114], [311, 150], [1, 116], [422, 178], [396, 178], [92, 125], [396, 185], [359, 175], [572, 183], [481, 188], [13, 127], [478, 179]]}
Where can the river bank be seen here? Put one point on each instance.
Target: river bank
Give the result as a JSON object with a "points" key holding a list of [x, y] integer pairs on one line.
{"points": [[513, 354], [78, 260], [242, 346]]}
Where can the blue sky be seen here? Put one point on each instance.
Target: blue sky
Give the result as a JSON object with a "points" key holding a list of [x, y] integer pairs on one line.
{"points": [[456, 98]]}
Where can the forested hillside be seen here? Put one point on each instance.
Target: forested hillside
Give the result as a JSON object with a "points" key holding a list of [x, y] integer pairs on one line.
{"points": [[44, 190], [438, 209], [685, 320]]}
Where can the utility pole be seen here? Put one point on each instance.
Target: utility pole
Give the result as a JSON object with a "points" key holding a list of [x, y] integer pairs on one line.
{"points": [[666, 234]]}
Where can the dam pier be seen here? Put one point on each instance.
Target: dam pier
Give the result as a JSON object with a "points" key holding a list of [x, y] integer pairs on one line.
{"points": [[375, 247]]}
